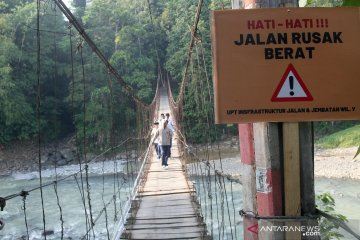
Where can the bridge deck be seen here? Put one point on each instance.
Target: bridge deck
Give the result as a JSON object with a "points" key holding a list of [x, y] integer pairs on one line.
{"points": [[165, 208]]}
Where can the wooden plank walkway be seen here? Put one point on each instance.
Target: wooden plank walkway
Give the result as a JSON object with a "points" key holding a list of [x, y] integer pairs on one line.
{"points": [[164, 208]]}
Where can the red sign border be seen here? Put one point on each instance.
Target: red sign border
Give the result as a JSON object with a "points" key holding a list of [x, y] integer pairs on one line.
{"points": [[308, 97]]}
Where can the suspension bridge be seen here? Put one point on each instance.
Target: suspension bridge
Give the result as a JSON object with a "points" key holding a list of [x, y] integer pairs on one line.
{"points": [[165, 206], [120, 190]]}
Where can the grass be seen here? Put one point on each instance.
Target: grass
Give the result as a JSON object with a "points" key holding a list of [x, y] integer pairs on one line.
{"points": [[349, 137]]}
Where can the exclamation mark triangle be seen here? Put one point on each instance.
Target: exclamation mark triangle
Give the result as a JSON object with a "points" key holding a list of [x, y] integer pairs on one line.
{"points": [[291, 88]]}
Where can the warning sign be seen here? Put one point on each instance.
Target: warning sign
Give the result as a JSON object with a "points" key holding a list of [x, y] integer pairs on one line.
{"points": [[291, 88], [286, 64]]}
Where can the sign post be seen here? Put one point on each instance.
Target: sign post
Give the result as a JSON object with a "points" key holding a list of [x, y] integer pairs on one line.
{"points": [[284, 65]]}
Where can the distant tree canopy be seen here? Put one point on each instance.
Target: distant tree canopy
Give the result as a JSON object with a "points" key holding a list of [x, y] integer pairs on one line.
{"points": [[135, 43], [121, 29]]}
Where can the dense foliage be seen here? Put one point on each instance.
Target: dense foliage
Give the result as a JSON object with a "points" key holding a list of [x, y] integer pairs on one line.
{"points": [[138, 37], [325, 128], [121, 29], [18, 71]]}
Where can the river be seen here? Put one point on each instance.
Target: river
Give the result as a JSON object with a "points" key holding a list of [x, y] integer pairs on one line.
{"points": [[70, 199], [345, 192]]}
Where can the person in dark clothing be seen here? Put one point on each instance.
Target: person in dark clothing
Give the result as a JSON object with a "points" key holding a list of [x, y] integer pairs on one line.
{"points": [[164, 134]]}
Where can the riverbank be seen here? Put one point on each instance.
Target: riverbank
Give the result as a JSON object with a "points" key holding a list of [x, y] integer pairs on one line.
{"points": [[22, 156], [336, 163]]}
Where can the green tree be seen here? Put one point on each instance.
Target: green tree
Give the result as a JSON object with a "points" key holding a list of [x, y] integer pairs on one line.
{"points": [[80, 6], [351, 3], [18, 66], [16, 114], [324, 3], [177, 21], [122, 31]]}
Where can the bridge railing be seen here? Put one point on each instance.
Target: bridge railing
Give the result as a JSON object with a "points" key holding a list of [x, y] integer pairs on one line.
{"points": [[120, 225]]}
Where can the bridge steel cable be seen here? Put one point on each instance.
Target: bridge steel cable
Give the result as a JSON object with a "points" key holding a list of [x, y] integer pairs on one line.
{"points": [[135, 145], [193, 36], [38, 109], [128, 89], [150, 108], [225, 207], [210, 179], [145, 117], [55, 76], [25, 217], [212, 196], [210, 120], [155, 44]]}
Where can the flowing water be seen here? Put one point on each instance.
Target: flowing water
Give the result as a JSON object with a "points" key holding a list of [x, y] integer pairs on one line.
{"points": [[222, 216], [221, 201], [70, 199], [346, 194]]}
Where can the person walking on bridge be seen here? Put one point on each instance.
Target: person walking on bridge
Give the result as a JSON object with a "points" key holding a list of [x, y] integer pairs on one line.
{"points": [[170, 125], [164, 135], [162, 118], [155, 140]]}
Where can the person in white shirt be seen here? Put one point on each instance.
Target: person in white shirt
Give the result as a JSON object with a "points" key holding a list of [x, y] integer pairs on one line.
{"points": [[171, 127], [170, 122], [162, 118], [156, 140]]}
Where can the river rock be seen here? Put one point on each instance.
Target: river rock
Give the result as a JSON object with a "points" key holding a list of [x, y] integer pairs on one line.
{"points": [[23, 237], [68, 154], [47, 232]]}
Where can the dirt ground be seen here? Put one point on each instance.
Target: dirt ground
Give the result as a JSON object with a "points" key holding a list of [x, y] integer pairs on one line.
{"points": [[337, 163]]}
